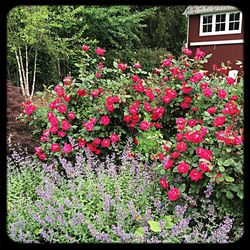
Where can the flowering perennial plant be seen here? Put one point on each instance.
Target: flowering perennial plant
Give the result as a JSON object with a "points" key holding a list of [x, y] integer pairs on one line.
{"points": [[178, 115]]}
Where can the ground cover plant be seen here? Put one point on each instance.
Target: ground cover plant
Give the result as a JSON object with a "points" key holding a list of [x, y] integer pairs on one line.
{"points": [[185, 124]]}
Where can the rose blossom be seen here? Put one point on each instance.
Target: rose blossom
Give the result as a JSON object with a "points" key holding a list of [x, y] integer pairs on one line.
{"points": [[105, 143], [168, 164], [67, 148], [65, 125], [164, 183], [62, 108], [195, 175], [219, 121], [85, 47], [183, 167], [30, 109], [181, 146], [114, 137], [144, 125], [55, 147], [122, 66], [173, 194], [100, 51], [81, 92], [137, 65], [71, 115], [105, 120], [67, 80]]}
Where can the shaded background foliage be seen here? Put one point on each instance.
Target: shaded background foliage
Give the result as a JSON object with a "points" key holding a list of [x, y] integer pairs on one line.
{"points": [[130, 33]]}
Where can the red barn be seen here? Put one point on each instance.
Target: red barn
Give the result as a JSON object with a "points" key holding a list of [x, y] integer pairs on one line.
{"points": [[216, 29]]}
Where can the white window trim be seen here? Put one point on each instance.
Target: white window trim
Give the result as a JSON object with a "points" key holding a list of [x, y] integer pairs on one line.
{"points": [[227, 31], [218, 42]]}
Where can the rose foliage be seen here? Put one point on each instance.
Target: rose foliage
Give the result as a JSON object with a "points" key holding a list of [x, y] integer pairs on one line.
{"points": [[190, 121]]}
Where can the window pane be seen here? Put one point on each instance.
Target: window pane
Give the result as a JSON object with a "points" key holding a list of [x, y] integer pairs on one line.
{"points": [[231, 26], [222, 27], [204, 28], [210, 19], [236, 26], [237, 16], [223, 17], [231, 17], [217, 27], [218, 18], [210, 28]]}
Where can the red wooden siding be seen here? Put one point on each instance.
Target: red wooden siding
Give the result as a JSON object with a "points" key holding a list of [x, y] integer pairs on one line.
{"points": [[194, 30], [222, 53]]}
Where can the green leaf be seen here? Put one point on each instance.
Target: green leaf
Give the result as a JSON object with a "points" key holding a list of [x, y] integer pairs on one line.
{"points": [[229, 179], [222, 169], [229, 195], [139, 231], [182, 187], [228, 162], [154, 226], [240, 194]]}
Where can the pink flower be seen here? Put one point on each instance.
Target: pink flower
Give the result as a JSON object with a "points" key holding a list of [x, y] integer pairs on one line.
{"points": [[127, 118], [67, 80], [97, 141], [219, 121], [174, 155], [230, 80], [81, 92], [53, 129], [164, 183], [105, 120], [55, 147], [98, 75], [122, 66], [183, 167], [137, 65], [67, 148], [100, 51], [67, 98], [222, 93], [204, 153], [211, 110], [181, 146], [42, 156], [30, 109], [207, 92], [191, 123], [81, 142], [173, 194], [59, 90], [199, 54], [144, 125], [61, 133], [95, 92], [114, 137], [195, 175], [203, 167], [187, 51], [65, 125], [105, 143], [85, 47], [71, 115], [89, 126], [62, 108], [166, 63]]}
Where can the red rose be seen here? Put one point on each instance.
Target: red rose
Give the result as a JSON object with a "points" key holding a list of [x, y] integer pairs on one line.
{"points": [[105, 120], [174, 155], [95, 92], [181, 146], [81, 92], [203, 167], [127, 118], [137, 65], [81, 142], [207, 92], [53, 129], [173, 194], [183, 167], [222, 93], [97, 141], [89, 125], [211, 110], [195, 175], [164, 183], [67, 80], [67, 148], [100, 51], [62, 108], [122, 66], [85, 47], [42, 156], [110, 108], [30, 109], [67, 98], [219, 121], [55, 147], [114, 137], [144, 125], [61, 133], [105, 143], [65, 125], [168, 164], [192, 123], [204, 153], [230, 80], [71, 115]]}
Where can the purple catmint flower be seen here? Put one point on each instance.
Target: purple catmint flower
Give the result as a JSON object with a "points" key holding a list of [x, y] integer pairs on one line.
{"points": [[180, 210], [180, 226], [208, 191], [107, 203], [132, 209]]}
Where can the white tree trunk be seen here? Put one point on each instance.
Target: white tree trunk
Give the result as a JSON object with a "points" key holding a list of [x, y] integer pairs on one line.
{"points": [[34, 75], [26, 84], [20, 75], [27, 65]]}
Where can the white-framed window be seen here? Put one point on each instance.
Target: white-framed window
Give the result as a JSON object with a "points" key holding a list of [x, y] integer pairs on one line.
{"points": [[220, 23]]}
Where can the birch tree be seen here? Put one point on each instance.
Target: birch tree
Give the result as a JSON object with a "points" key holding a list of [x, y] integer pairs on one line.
{"points": [[28, 27]]}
